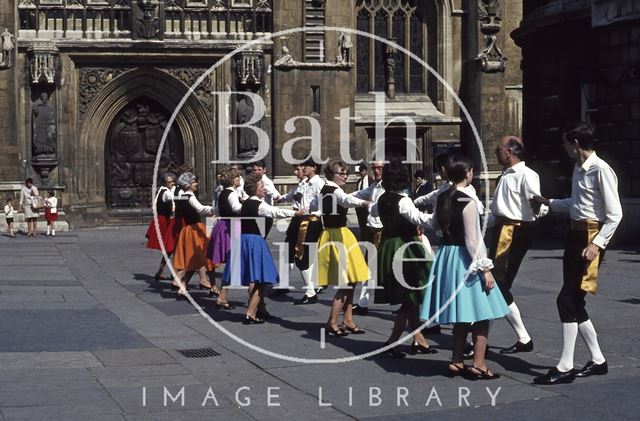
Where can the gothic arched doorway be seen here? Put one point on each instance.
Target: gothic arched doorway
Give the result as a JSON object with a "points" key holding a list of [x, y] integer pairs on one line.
{"points": [[131, 146]]}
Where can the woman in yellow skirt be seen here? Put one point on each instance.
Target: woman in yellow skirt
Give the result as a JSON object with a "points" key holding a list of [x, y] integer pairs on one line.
{"points": [[340, 260], [190, 254]]}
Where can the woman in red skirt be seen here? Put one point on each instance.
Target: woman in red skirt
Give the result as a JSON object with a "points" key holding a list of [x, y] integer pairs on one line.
{"points": [[167, 225]]}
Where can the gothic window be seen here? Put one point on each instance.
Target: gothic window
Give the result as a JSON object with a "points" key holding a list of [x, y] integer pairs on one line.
{"points": [[400, 22]]}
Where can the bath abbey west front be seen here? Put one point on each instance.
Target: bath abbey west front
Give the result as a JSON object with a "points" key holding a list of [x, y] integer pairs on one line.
{"points": [[88, 87]]}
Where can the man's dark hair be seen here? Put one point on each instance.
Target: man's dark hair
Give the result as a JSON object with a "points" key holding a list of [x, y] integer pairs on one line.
{"points": [[442, 159], [419, 173], [260, 164], [28, 180], [583, 132], [396, 176], [362, 167], [515, 145]]}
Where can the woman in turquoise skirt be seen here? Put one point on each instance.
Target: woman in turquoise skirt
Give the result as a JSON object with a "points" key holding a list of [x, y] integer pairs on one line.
{"points": [[461, 288], [402, 271]]}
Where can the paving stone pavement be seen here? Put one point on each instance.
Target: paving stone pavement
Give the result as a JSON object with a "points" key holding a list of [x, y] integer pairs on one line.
{"points": [[87, 334]]}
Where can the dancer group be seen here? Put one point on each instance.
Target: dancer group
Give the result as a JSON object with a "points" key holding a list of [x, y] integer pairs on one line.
{"points": [[464, 284]]}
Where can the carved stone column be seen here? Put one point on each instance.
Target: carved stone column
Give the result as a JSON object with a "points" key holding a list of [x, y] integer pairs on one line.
{"points": [[248, 69], [43, 64]]}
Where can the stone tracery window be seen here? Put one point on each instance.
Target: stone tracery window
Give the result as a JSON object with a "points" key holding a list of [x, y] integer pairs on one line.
{"points": [[400, 21]]}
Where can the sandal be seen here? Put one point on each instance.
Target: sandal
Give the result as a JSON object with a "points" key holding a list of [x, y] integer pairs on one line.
{"points": [[214, 291], [416, 348], [355, 329], [204, 286], [469, 374], [336, 332], [224, 306], [455, 370], [394, 352], [252, 321]]}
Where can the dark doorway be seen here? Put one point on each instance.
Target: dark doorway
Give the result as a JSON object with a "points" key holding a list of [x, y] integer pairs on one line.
{"points": [[132, 143]]}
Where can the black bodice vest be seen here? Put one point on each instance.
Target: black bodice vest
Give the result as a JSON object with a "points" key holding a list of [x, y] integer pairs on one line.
{"points": [[333, 215], [394, 224], [224, 207], [163, 208]]}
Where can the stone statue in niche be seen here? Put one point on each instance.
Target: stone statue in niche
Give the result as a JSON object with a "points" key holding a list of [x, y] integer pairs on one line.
{"points": [[390, 53], [247, 139], [43, 127], [7, 41], [285, 57], [344, 45]]}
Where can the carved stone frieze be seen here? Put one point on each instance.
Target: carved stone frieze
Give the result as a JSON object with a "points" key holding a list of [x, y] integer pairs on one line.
{"points": [[92, 79], [249, 65], [43, 62]]}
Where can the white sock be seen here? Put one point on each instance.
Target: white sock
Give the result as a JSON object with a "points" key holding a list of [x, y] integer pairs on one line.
{"points": [[308, 281], [48, 230], [569, 335], [291, 266], [515, 320], [363, 301], [53, 232], [590, 337]]}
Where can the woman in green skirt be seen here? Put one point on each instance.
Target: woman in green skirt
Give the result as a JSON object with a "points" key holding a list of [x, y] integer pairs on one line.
{"points": [[403, 257]]}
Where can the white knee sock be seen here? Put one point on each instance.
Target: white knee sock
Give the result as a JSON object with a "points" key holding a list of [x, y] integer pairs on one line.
{"points": [[363, 301], [590, 337], [515, 320], [569, 335], [308, 281]]}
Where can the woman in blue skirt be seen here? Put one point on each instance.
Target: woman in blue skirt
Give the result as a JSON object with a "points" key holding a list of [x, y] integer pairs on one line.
{"points": [[461, 287], [256, 263]]}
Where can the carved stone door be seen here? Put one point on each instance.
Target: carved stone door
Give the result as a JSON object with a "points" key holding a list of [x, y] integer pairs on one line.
{"points": [[130, 153]]}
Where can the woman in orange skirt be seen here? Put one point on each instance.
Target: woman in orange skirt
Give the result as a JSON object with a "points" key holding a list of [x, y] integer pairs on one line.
{"points": [[190, 253]]}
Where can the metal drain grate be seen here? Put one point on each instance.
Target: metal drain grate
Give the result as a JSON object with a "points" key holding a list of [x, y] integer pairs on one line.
{"points": [[630, 301], [198, 353]]}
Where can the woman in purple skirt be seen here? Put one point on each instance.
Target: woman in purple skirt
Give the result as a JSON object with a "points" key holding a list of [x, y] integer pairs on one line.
{"points": [[220, 242]]}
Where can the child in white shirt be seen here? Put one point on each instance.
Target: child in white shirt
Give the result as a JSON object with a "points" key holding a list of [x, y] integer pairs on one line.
{"points": [[8, 213]]}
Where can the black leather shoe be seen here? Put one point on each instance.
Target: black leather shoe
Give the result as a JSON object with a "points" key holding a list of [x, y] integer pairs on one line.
{"points": [[360, 311], [306, 300], [518, 347], [592, 368], [555, 376]]}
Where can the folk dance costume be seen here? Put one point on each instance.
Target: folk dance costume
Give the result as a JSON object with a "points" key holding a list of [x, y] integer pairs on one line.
{"points": [[374, 234], [309, 232], [296, 197], [256, 263], [168, 226], [457, 263], [511, 223], [190, 251], [270, 194], [220, 241], [400, 218], [595, 211], [337, 246]]}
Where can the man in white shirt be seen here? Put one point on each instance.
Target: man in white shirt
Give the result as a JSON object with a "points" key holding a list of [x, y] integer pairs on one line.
{"points": [[595, 211], [362, 213], [374, 229], [309, 230], [271, 194], [511, 222]]}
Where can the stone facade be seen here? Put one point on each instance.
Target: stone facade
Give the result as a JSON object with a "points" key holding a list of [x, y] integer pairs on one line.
{"points": [[92, 85], [578, 67]]}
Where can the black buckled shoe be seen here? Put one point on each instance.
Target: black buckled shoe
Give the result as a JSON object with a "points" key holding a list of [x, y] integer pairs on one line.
{"points": [[518, 347], [360, 311], [306, 300], [555, 376], [592, 368]]}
